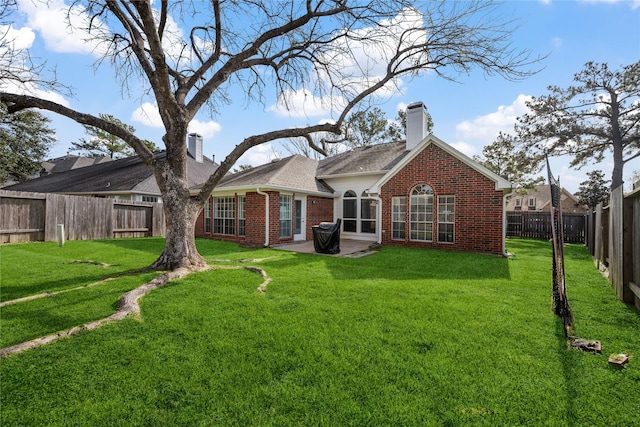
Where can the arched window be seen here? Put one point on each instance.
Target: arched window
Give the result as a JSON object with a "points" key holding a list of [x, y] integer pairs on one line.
{"points": [[368, 209], [421, 226], [349, 211]]}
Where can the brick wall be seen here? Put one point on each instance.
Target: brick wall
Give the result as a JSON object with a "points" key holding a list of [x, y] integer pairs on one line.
{"points": [[319, 209], [254, 229], [478, 206]]}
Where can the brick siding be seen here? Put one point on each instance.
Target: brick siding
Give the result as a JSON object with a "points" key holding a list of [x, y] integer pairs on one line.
{"points": [[478, 206], [319, 209]]}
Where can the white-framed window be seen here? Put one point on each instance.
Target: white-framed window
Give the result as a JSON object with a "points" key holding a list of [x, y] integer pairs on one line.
{"points": [[207, 216], [421, 214], [446, 219], [242, 212], [153, 199], [223, 215], [518, 202], [368, 209], [285, 215], [398, 217], [532, 202], [350, 211]]}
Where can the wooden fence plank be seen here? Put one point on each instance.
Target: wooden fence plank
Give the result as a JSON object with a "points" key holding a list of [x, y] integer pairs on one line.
{"points": [[616, 245], [35, 216], [634, 283]]}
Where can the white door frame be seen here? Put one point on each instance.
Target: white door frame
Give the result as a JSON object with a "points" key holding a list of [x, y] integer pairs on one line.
{"points": [[302, 212]]}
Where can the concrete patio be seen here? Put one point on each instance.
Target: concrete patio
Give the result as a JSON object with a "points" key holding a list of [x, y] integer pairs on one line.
{"points": [[348, 248]]}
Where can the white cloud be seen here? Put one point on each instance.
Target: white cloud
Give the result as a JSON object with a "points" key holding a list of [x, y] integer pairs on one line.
{"points": [[173, 42], [52, 20], [465, 148], [258, 155], [32, 90], [486, 128], [148, 115], [21, 38], [206, 129], [301, 103]]}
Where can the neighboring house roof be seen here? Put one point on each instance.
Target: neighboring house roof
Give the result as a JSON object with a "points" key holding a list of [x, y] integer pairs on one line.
{"points": [[294, 173], [122, 176], [68, 162], [542, 196], [376, 159], [500, 182]]}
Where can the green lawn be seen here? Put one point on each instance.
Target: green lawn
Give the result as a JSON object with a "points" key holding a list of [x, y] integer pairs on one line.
{"points": [[403, 337]]}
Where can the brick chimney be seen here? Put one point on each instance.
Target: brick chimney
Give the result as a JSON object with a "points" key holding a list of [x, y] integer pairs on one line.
{"points": [[417, 124], [194, 146]]}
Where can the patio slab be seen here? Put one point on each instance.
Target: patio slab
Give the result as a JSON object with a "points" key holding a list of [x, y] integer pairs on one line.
{"points": [[348, 248]]}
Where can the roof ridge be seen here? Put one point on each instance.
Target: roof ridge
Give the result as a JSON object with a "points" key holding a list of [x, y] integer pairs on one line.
{"points": [[288, 160]]}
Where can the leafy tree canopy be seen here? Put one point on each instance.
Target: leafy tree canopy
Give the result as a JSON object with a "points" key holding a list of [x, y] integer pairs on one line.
{"points": [[369, 127], [599, 114], [102, 143], [363, 127], [25, 138], [502, 158], [594, 190], [242, 167]]}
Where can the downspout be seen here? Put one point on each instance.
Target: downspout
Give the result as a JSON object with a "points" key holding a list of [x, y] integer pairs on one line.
{"points": [[504, 222], [266, 217], [378, 216]]}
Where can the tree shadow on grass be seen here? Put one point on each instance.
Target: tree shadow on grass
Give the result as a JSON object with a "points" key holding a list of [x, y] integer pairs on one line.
{"points": [[47, 288], [50, 313], [567, 358], [394, 263], [149, 245]]}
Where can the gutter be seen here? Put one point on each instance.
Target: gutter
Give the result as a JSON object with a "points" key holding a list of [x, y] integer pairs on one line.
{"points": [[504, 222], [266, 217]]}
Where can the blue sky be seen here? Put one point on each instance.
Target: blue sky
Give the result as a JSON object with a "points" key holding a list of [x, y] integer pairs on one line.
{"points": [[467, 115]]}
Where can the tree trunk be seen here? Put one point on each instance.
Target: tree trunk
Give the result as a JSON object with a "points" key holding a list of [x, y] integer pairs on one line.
{"points": [[180, 246], [180, 210], [617, 143]]}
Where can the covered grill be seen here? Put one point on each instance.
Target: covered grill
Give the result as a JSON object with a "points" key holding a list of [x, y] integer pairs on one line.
{"points": [[326, 237]]}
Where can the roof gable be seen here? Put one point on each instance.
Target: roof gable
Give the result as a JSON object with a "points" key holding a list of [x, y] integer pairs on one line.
{"points": [[294, 173], [500, 182]]}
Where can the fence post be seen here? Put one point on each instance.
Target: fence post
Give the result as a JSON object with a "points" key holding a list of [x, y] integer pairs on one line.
{"points": [[60, 235]]}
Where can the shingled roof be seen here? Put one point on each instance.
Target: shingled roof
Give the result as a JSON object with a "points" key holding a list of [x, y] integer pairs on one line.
{"points": [[378, 158], [128, 175], [295, 173], [68, 162], [299, 173]]}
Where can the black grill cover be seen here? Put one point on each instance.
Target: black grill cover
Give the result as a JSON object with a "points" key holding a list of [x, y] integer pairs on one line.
{"points": [[326, 238]]}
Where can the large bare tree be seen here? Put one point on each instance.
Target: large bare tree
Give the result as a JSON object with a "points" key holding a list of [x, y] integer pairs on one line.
{"points": [[187, 54]]}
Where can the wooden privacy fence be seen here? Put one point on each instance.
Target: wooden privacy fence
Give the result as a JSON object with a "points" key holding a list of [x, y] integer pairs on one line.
{"points": [[537, 225], [30, 217], [614, 242]]}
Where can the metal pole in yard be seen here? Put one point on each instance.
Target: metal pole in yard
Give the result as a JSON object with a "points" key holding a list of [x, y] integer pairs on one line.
{"points": [[61, 235]]}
